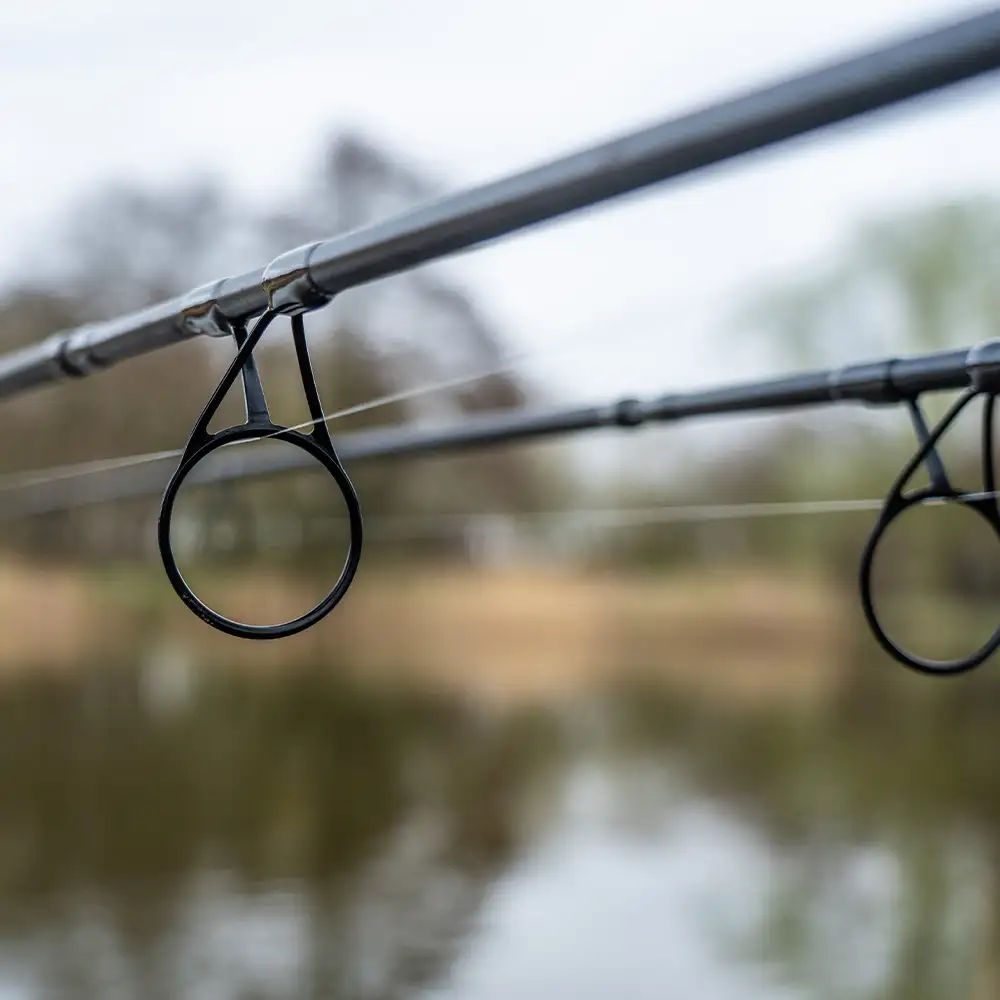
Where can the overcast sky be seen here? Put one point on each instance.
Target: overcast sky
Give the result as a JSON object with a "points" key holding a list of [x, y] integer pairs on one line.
{"points": [[98, 90]]}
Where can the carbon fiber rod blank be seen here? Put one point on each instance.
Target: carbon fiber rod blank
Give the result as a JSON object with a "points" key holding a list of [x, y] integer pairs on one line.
{"points": [[307, 277]]}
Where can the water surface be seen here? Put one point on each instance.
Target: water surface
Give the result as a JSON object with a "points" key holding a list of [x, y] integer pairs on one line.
{"points": [[167, 835]]}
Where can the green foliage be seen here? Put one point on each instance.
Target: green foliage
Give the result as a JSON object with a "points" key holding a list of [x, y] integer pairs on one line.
{"points": [[922, 281]]}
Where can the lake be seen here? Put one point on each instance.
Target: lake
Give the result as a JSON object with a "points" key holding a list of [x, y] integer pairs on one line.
{"points": [[169, 833]]}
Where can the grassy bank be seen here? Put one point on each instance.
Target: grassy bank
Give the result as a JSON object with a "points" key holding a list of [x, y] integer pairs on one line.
{"points": [[521, 634]]}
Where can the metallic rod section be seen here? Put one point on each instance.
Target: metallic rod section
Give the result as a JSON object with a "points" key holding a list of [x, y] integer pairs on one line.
{"points": [[305, 278], [675, 147], [883, 382]]}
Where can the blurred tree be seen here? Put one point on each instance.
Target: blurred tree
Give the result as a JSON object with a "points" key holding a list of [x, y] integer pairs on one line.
{"points": [[125, 248], [924, 280], [921, 281]]}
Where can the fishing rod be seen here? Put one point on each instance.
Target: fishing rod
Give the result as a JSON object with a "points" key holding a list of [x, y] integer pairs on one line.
{"points": [[880, 383], [307, 278], [310, 275]]}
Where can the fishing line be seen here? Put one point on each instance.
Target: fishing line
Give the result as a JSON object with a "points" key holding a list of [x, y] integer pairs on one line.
{"points": [[595, 337], [413, 527], [417, 526]]}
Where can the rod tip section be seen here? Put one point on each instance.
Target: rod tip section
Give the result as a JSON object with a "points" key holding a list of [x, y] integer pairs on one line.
{"points": [[289, 285]]}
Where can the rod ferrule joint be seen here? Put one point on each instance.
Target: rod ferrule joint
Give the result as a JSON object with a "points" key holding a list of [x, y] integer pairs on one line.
{"points": [[74, 354], [868, 382], [983, 366], [629, 413], [200, 313]]}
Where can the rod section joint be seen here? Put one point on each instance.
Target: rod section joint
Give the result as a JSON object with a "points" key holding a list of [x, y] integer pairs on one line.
{"points": [[200, 312], [983, 365]]}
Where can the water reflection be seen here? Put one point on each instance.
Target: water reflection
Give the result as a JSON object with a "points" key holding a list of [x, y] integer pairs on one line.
{"points": [[302, 837], [270, 839]]}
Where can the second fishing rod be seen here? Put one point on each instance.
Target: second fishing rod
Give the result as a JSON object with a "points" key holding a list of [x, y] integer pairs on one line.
{"points": [[889, 381]]}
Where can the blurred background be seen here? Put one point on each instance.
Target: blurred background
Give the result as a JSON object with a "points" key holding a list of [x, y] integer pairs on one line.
{"points": [[550, 745]]}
